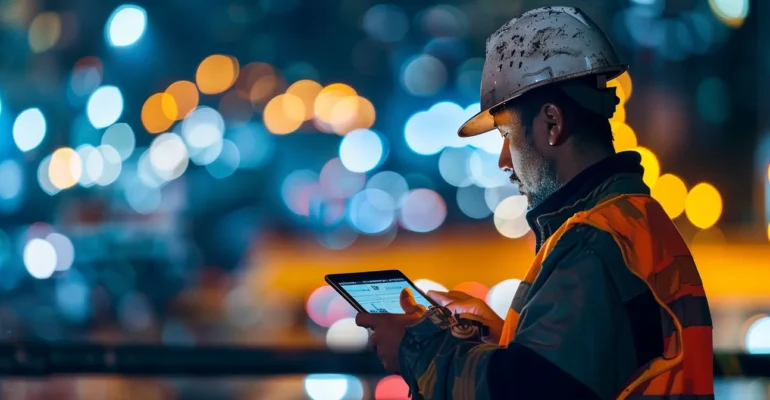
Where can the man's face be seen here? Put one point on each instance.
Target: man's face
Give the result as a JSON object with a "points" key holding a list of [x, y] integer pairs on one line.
{"points": [[525, 155]]}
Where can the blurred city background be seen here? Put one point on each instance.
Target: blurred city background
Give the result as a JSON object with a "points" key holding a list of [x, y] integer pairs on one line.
{"points": [[185, 172]]}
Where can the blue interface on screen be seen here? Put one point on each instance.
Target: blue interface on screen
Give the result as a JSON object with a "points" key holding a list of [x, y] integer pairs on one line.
{"points": [[382, 295]]}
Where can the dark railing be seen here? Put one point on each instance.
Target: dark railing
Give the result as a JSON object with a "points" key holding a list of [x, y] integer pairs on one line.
{"points": [[89, 359]]}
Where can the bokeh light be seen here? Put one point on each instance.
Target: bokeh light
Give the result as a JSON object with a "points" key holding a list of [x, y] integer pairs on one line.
{"points": [[159, 112], [104, 106], [650, 164], [361, 150], [338, 182], [284, 114], [423, 75], [510, 217], [372, 211], [257, 82], [307, 91], [227, 162], [185, 96], [168, 156], [65, 251], [345, 335], [351, 113], [126, 25], [43, 179], [40, 258], [93, 165], [44, 31], [703, 205], [113, 165], [422, 210], [318, 303], [203, 133], [65, 169], [624, 137], [216, 73], [500, 296], [472, 203], [757, 339], [120, 137], [623, 87], [670, 191], [731, 12], [11, 184], [426, 285], [333, 387], [389, 182], [391, 388], [29, 129], [453, 166], [326, 101], [386, 23], [86, 76], [297, 189]]}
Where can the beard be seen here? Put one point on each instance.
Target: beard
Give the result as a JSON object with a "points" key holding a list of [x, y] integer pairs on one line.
{"points": [[538, 179]]}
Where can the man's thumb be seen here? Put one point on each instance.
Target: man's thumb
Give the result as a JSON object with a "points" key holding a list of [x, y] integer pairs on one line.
{"points": [[408, 303]]}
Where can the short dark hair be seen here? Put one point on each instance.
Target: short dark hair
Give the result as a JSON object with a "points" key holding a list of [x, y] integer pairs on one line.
{"points": [[588, 127]]}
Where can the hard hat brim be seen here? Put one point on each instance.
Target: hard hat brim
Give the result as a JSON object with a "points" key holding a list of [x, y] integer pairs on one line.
{"points": [[483, 121]]}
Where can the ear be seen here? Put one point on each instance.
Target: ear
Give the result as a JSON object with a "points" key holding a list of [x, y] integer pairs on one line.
{"points": [[554, 118]]}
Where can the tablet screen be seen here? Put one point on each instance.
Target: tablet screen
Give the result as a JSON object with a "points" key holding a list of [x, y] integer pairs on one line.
{"points": [[382, 295]]}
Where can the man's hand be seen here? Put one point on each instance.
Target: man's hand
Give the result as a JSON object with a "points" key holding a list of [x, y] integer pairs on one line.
{"points": [[389, 329], [470, 307]]}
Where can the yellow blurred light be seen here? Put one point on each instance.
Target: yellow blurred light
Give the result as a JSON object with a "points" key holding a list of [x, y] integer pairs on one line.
{"points": [[328, 97], [159, 112], [65, 168], [216, 73], [624, 87], [768, 231], [307, 91], [185, 97], [624, 137], [620, 114], [44, 31], [671, 192], [768, 172], [703, 205], [284, 114], [730, 12], [650, 164], [350, 113]]}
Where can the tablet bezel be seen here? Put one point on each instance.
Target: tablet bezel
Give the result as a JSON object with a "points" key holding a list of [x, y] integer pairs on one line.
{"points": [[337, 280]]}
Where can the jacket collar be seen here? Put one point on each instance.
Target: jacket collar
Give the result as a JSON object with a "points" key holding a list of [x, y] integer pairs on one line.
{"points": [[617, 174]]}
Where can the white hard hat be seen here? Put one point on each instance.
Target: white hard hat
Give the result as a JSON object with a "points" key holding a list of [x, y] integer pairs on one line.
{"points": [[540, 47]]}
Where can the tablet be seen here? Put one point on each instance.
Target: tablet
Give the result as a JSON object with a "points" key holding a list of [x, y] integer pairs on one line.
{"points": [[376, 291]]}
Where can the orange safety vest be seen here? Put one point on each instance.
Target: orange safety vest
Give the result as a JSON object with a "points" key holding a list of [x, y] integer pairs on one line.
{"points": [[653, 250]]}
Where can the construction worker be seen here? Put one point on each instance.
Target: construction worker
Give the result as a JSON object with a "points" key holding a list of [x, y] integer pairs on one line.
{"points": [[613, 306]]}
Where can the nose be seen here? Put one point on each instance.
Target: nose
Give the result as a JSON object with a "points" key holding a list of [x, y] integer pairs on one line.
{"points": [[504, 162]]}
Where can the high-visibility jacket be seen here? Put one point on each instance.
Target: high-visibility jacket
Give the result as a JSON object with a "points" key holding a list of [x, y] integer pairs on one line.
{"points": [[653, 250]]}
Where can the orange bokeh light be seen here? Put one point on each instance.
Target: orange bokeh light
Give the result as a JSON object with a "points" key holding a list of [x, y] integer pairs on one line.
{"points": [[216, 73], [185, 95], [284, 114], [159, 112]]}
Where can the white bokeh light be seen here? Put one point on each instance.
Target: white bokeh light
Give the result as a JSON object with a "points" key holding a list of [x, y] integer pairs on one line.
{"points": [[510, 217], [105, 106], [29, 129], [501, 295], [758, 336], [40, 258], [333, 387], [168, 156], [93, 165], [126, 25], [426, 285], [361, 150], [121, 137], [345, 335], [65, 251]]}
